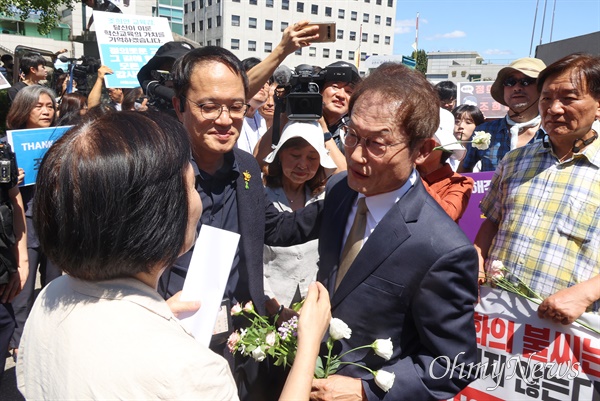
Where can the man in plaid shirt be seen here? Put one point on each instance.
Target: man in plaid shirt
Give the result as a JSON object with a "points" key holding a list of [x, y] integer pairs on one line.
{"points": [[543, 207]]}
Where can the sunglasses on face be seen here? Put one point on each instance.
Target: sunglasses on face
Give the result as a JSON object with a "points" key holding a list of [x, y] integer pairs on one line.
{"points": [[511, 81]]}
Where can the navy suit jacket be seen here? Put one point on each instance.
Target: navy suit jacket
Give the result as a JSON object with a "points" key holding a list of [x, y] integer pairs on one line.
{"points": [[414, 281], [259, 223]]}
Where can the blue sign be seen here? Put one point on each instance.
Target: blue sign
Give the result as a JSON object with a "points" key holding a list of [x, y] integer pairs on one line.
{"points": [[126, 43], [30, 146]]}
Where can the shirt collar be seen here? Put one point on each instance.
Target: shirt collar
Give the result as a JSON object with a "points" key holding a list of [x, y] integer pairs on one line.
{"points": [[379, 205], [230, 165], [126, 289]]}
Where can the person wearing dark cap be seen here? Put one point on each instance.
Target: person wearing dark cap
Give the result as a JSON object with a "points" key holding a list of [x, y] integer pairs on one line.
{"points": [[515, 87], [340, 80], [163, 60]]}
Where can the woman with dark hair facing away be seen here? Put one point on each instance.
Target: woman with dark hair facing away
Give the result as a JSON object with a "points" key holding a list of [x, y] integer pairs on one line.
{"points": [[127, 210], [33, 107], [294, 177], [72, 107]]}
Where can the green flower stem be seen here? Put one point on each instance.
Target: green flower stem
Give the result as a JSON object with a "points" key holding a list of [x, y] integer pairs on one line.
{"points": [[355, 349], [330, 342], [359, 365]]}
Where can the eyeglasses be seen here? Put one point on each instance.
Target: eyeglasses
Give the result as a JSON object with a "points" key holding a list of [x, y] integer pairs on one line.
{"points": [[375, 147], [512, 81], [212, 111]]}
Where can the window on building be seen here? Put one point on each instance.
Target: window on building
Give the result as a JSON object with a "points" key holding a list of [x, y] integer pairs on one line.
{"points": [[218, 20], [388, 21], [235, 20], [365, 17], [300, 7], [378, 20], [254, 2], [338, 54], [312, 51], [285, 4], [314, 9], [378, 2], [340, 34], [268, 25], [325, 53], [365, 37], [185, 29], [218, 42], [200, 25], [375, 38], [201, 3], [201, 43], [284, 25], [235, 44], [209, 43], [209, 23], [351, 55], [388, 40], [252, 22], [209, 2], [298, 52], [194, 28], [270, 3], [193, 5], [353, 15], [367, 1], [268, 47], [341, 13], [252, 45], [390, 3], [328, 11], [236, 1], [363, 56], [352, 35], [185, 8]]}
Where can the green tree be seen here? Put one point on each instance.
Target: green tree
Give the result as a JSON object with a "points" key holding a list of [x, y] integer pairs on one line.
{"points": [[421, 58], [47, 10]]}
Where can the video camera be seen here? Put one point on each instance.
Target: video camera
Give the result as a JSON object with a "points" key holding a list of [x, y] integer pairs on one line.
{"points": [[301, 98], [81, 71], [304, 101], [160, 95]]}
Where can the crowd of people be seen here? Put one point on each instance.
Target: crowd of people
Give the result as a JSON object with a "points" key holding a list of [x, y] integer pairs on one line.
{"points": [[365, 201]]}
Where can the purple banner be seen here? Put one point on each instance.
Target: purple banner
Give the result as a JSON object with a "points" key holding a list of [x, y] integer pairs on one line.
{"points": [[472, 218]]}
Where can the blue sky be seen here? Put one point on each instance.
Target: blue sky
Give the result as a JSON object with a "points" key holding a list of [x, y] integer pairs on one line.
{"points": [[499, 30]]}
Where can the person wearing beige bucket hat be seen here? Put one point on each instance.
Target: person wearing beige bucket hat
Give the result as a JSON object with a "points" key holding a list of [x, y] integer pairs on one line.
{"points": [[514, 87], [451, 190]]}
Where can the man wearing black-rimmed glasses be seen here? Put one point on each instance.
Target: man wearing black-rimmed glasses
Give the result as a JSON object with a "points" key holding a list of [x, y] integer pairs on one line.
{"points": [[211, 92], [514, 87]]}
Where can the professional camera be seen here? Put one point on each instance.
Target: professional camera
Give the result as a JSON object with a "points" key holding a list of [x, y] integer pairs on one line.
{"points": [[304, 101], [158, 91], [8, 165], [82, 71]]}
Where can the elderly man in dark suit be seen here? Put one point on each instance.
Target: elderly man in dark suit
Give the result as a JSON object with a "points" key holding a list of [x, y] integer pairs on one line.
{"points": [[409, 274]]}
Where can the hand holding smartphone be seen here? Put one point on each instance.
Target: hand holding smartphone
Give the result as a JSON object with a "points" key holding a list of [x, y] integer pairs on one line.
{"points": [[326, 32]]}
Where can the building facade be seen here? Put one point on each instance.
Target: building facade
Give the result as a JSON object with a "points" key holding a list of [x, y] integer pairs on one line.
{"points": [[461, 67], [252, 28]]}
